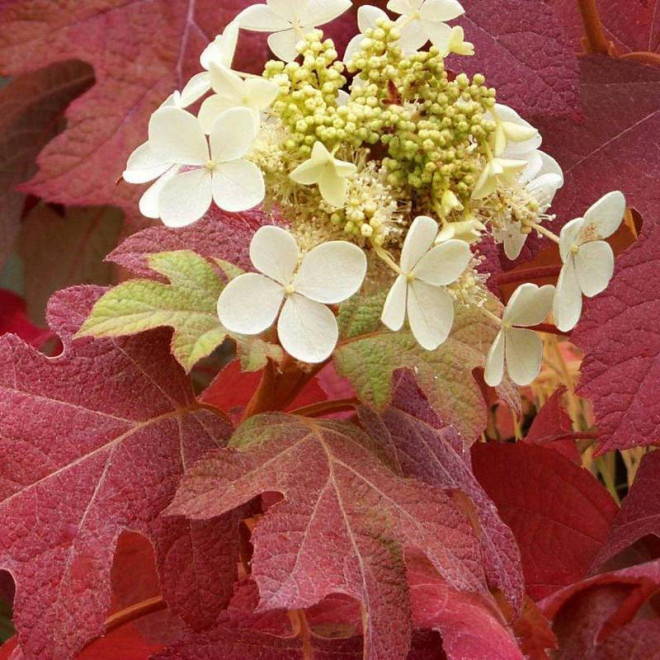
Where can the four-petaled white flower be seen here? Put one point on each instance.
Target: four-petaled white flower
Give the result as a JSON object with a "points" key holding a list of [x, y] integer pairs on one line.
{"points": [[419, 291], [221, 52], [256, 94], [516, 346], [328, 172], [194, 171], [367, 18], [328, 274], [588, 260], [543, 178], [457, 43], [424, 20], [289, 21]]}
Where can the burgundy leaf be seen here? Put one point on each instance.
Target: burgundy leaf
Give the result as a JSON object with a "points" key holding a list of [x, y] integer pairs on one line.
{"points": [[342, 525], [559, 514], [640, 513], [95, 441]]}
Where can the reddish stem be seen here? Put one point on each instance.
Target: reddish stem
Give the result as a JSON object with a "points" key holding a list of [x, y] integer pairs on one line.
{"points": [[134, 612], [595, 40], [326, 407], [550, 329], [528, 274], [643, 56]]}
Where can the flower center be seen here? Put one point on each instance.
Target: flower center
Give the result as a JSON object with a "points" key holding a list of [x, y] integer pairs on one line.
{"points": [[409, 277], [289, 290], [507, 325], [210, 165], [575, 248]]}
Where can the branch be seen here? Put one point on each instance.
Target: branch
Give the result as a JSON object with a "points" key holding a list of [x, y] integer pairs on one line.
{"points": [[326, 407], [134, 612], [594, 40], [528, 274]]}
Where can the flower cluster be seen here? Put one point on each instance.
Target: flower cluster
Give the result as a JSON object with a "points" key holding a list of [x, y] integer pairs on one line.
{"points": [[384, 169]]}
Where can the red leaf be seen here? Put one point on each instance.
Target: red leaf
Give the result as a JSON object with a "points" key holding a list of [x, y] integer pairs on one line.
{"points": [[141, 51], [94, 442], [524, 52], [14, 319], [343, 522], [218, 235], [31, 110], [618, 333], [423, 448], [608, 149], [470, 625], [587, 613], [639, 640], [559, 514], [640, 513], [552, 427]]}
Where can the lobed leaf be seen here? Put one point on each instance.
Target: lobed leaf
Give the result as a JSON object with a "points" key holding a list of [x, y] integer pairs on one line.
{"points": [[343, 524], [94, 442]]}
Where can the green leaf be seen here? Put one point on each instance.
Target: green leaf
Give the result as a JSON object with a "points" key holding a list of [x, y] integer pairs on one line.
{"points": [[187, 304], [360, 315], [445, 375]]}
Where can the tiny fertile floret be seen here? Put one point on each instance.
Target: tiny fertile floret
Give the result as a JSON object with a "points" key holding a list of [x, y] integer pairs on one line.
{"points": [[383, 174]]}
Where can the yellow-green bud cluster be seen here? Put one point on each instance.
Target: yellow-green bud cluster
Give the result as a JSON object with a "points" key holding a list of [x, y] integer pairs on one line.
{"points": [[307, 103]]}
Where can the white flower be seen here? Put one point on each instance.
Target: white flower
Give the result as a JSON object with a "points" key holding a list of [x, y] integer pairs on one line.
{"points": [[328, 172], [289, 21], [307, 328], [367, 17], [424, 20], [464, 230], [457, 43], [193, 171], [497, 172], [255, 94], [588, 259], [514, 137], [543, 178], [520, 348], [221, 52], [419, 291]]}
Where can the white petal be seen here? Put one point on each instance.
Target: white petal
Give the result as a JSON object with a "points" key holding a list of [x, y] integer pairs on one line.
{"points": [[544, 188], [331, 272], [441, 10], [283, 44], [232, 135], [524, 351], [212, 108], [368, 16], [225, 81], [177, 136], [333, 187], [222, 48], [261, 93], [430, 314], [418, 242], [238, 186], [567, 304], [143, 165], [413, 35], [403, 6], [594, 267], [307, 329], [513, 240], [274, 252], [394, 310], [604, 217], [438, 33], [310, 171], [289, 10], [529, 304], [185, 198], [444, 263], [353, 46], [494, 372], [195, 88], [261, 18], [249, 304], [320, 12], [568, 236], [149, 204]]}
